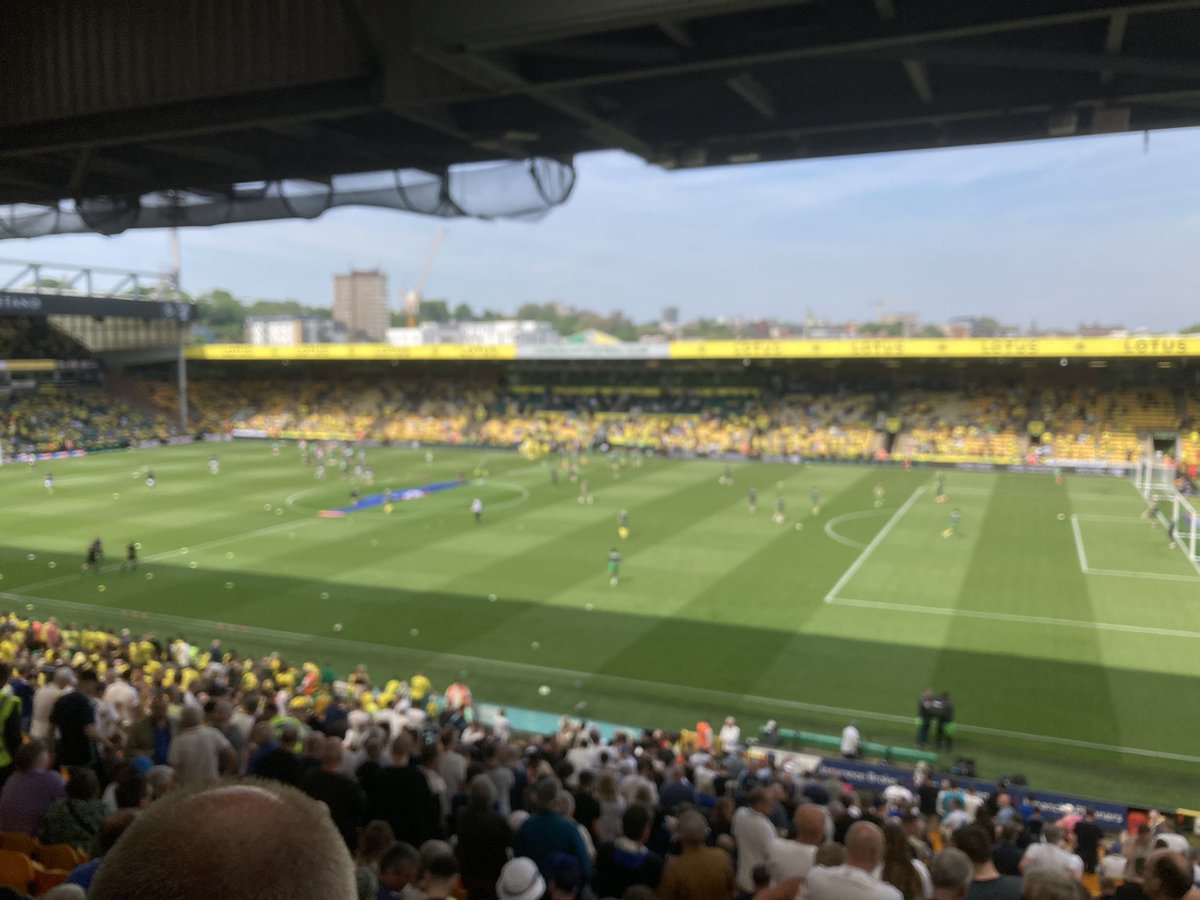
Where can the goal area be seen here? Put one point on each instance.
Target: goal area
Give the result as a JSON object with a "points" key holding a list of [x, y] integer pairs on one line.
{"points": [[1175, 511]]}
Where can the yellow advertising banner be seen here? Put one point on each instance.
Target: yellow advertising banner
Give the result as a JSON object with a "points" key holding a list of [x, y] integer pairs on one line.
{"points": [[28, 365], [942, 348], [336, 352], [1143, 347]]}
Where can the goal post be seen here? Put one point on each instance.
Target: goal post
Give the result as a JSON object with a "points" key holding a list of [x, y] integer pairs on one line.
{"points": [[1173, 510], [1154, 480]]}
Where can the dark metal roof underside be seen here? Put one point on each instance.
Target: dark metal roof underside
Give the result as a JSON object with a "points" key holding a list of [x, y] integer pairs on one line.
{"points": [[115, 98]]}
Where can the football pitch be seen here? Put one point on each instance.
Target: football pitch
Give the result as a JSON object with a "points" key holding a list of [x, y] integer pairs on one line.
{"points": [[1063, 626]]}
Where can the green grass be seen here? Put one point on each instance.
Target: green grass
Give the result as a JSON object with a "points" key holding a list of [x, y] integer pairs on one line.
{"points": [[1057, 673]]}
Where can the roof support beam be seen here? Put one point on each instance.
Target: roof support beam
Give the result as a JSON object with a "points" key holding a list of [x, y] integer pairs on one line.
{"points": [[918, 75], [749, 89], [910, 36], [1113, 41], [485, 25], [207, 153], [495, 77], [380, 27], [976, 56], [797, 132], [677, 32]]}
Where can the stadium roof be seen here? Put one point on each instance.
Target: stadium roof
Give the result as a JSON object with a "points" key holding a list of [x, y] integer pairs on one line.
{"points": [[102, 100]]}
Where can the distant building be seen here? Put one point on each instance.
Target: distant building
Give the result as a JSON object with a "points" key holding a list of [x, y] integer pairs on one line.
{"points": [[288, 330], [507, 331], [493, 333], [1098, 329], [669, 320], [592, 337], [360, 304]]}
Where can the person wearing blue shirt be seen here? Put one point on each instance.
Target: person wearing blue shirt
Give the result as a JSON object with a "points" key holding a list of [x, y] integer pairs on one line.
{"points": [[547, 832]]}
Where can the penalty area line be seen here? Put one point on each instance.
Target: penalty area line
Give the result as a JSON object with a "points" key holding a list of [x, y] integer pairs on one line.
{"points": [[1014, 617]]}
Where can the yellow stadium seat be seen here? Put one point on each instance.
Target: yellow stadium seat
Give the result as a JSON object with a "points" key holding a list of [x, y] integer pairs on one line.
{"points": [[18, 841], [44, 879], [16, 870], [58, 856]]}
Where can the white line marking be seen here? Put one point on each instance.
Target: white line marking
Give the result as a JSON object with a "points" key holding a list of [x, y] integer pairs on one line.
{"points": [[1118, 573], [293, 497], [1126, 520], [1107, 498], [649, 688], [522, 494], [846, 517], [1083, 563], [1147, 576], [874, 545], [1014, 617]]}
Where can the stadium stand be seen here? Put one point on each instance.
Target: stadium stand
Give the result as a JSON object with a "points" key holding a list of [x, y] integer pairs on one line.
{"points": [[57, 418], [1004, 424], [420, 793]]}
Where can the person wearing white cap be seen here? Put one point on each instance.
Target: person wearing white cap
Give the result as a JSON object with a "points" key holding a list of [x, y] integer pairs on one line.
{"points": [[520, 880]]}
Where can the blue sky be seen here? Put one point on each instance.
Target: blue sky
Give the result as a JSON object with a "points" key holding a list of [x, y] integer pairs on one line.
{"points": [[1056, 231]]}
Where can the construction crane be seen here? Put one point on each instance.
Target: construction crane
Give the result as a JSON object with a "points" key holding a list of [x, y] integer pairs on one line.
{"points": [[413, 296]]}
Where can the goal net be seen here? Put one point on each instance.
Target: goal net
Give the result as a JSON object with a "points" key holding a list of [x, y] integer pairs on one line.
{"points": [[1174, 511]]}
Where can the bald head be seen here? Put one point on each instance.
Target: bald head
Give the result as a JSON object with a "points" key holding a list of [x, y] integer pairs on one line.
{"points": [[331, 755], [191, 846], [314, 744], [864, 845], [810, 824], [693, 829], [1168, 875]]}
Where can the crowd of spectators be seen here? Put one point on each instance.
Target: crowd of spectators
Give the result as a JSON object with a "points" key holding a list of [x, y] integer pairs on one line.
{"points": [[180, 770], [978, 423], [72, 417]]}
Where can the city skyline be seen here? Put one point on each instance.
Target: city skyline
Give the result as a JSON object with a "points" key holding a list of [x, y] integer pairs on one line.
{"points": [[1053, 232]]}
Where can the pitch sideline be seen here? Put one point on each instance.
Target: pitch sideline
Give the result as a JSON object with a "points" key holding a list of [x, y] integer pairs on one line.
{"points": [[660, 688]]}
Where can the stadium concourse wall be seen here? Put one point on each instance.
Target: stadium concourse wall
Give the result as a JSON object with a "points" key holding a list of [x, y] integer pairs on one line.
{"points": [[1140, 347], [174, 441]]}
